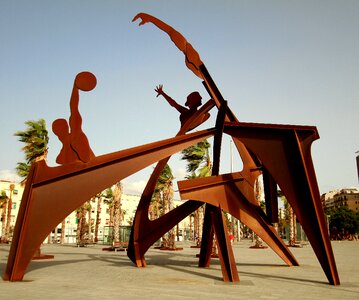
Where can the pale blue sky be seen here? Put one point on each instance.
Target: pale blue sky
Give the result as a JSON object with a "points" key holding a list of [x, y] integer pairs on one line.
{"points": [[286, 62]]}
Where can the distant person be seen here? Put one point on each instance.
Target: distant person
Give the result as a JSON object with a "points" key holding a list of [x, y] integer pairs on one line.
{"points": [[231, 237], [194, 100]]}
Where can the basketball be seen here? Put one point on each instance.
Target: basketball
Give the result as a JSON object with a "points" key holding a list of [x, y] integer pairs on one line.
{"points": [[85, 81]]}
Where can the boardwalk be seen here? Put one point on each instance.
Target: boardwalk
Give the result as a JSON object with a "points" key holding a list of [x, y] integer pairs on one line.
{"points": [[90, 273]]}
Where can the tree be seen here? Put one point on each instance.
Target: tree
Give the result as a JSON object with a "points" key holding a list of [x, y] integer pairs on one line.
{"points": [[63, 228], [112, 197], [198, 160], [155, 206], [117, 214], [258, 190], [89, 222], [82, 229], [9, 209], [289, 219], [108, 199], [164, 190], [98, 213], [343, 223], [3, 204], [36, 139], [198, 165]]}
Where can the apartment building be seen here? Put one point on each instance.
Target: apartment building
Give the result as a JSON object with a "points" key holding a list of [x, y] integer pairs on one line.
{"points": [[129, 205], [348, 197], [14, 191]]}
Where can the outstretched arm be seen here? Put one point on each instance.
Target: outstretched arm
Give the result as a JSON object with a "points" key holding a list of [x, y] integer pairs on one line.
{"points": [[193, 61], [175, 36], [173, 103]]}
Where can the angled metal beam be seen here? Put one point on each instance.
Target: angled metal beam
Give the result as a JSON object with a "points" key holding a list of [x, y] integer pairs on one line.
{"points": [[231, 192], [53, 193], [285, 151]]}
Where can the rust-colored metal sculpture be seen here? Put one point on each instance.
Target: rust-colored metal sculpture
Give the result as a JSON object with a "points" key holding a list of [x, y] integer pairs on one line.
{"points": [[52, 193], [257, 159], [280, 152]]}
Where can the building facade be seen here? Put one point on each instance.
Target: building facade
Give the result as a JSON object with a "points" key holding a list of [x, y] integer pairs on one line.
{"points": [[129, 205], [348, 197], [15, 194]]}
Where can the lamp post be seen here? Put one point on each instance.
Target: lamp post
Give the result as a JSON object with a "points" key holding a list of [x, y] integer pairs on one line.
{"points": [[232, 218], [357, 159]]}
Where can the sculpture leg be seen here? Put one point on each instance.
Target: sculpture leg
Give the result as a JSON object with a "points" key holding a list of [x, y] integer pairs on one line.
{"points": [[143, 233], [148, 232], [285, 152], [232, 192], [225, 251], [207, 238], [52, 194]]}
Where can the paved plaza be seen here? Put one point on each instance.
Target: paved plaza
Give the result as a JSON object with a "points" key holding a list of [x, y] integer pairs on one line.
{"points": [[90, 273]]}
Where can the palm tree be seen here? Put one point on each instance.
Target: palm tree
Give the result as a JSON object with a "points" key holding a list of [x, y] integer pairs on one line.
{"points": [[36, 140], [198, 165], [258, 189], [198, 159], [22, 169], [290, 219], [63, 228], [35, 137], [112, 197], [78, 221], [292, 225], [98, 213], [155, 206], [108, 199], [3, 204], [89, 222], [117, 194], [81, 213], [164, 187]]}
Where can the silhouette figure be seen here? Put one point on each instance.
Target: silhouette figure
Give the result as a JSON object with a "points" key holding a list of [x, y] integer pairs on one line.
{"points": [[194, 100], [192, 59], [75, 145]]}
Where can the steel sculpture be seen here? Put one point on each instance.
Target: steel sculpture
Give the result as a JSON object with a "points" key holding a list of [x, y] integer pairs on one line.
{"points": [[52, 193], [281, 153], [242, 203]]}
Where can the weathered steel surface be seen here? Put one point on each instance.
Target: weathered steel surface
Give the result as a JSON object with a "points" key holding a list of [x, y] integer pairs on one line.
{"points": [[284, 151], [231, 192], [52, 193], [254, 165], [280, 152], [146, 232]]}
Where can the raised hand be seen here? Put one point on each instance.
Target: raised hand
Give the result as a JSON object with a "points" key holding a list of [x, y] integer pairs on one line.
{"points": [[159, 90], [145, 18]]}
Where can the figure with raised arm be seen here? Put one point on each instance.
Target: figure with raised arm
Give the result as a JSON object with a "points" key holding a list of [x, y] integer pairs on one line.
{"points": [[194, 100], [75, 145], [192, 59]]}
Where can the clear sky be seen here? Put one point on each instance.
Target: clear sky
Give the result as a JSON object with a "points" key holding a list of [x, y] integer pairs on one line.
{"points": [[286, 62]]}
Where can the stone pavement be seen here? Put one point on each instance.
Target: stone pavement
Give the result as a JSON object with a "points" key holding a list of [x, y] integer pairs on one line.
{"points": [[90, 273]]}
